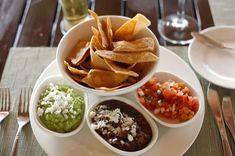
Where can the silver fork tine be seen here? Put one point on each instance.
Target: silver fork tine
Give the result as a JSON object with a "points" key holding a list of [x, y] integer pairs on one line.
{"points": [[26, 99], [20, 102], [1, 108], [5, 99], [5, 103], [5, 94], [23, 115], [9, 99]]}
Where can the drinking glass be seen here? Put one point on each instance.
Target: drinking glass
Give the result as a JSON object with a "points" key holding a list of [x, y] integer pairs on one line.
{"points": [[177, 28], [74, 12]]}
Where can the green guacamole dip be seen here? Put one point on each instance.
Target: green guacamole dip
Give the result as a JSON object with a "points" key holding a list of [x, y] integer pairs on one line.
{"points": [[60, 108]]}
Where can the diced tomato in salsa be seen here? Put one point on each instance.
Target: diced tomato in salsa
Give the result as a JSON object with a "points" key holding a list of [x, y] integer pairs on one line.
{"points": [[170, 99]]}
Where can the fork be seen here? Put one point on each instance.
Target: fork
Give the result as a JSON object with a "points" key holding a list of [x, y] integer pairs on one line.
{"points": [[6, 103], [23, 115]]}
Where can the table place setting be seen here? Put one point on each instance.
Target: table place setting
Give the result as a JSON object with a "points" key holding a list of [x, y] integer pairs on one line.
{"points": [[39, 54], [227, 109], [125, 80], [23, 111], [216, 47]]}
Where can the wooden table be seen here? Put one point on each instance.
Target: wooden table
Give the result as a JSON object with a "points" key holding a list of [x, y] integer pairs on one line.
{"points": [[21, 27], [208, 142], [33, 23]]}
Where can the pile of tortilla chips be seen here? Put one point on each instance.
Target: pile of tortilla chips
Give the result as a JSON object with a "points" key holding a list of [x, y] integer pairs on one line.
{"points": [[111, 59]]}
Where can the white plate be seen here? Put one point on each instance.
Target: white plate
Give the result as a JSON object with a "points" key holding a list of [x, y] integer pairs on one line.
{"points": [[214, 64], [178, 140]]}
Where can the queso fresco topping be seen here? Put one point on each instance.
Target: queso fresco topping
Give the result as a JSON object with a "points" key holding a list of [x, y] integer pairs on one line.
{"points": [[60, 108], [121, 125], [170, 100]]}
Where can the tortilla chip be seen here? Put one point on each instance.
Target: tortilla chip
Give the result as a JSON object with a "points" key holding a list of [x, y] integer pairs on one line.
{"points": [[119, 70], [131, 27], [66, 64], [126, 31], [106, 65], [100, 29], [77, 78], [142, 44], [131, 80], [97, 44], [114, 88], [109, 33], [79, 52], [142, 22], [129, 58], [132, 66], [96, 61], [96, 41], [100, 78], [86, 65], [76, 71]]}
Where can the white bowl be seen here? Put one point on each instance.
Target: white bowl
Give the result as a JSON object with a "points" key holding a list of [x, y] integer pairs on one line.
{"points": [[163, 76], [37, 92], [134, 106], [83, 31]]}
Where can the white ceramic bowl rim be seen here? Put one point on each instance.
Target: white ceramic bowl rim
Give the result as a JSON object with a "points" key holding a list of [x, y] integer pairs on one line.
{"points": [[135, 106], [102, 92], [54, 79], [177, 79]]}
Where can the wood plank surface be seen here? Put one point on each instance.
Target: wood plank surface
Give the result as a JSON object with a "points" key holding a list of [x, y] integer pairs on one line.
{"points": [[56, 34], [108, 7], [205, 14], [10, 16], [41, 25], [36, 29], [149, 9], [32, 61], [208, 142]]}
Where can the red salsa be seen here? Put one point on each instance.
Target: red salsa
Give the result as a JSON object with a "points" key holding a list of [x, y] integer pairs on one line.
{"points": [[170, 100]]}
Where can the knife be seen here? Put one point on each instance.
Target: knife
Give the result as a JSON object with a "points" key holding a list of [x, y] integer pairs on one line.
{"points": [[209, 41], [214, 103], [228, 114]]}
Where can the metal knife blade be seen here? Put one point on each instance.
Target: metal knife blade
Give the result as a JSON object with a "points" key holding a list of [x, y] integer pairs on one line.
{"points": [[214, 103], [228, 114]]}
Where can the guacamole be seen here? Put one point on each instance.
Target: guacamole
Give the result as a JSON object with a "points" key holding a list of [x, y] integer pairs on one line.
{"points": [[60, 108]]}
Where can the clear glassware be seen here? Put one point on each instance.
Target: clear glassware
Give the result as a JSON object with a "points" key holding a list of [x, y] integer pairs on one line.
{"points": [[74, 12], [177, 28]]}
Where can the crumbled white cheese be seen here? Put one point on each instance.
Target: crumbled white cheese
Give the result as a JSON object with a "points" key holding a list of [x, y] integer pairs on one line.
{"points": [[92, 114], [122, 142], [40, 111], [130, 137], [57, 102], [114, 116], [140, 92], [104, 118]]}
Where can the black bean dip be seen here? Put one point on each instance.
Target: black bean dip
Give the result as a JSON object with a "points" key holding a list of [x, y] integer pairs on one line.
{"points": [[121, 125]]}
